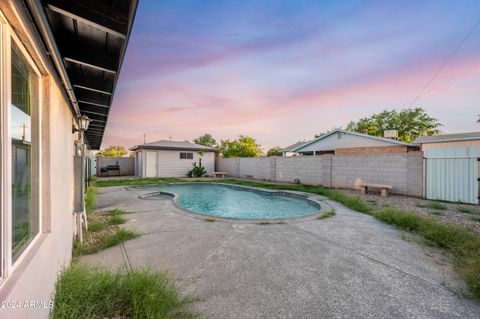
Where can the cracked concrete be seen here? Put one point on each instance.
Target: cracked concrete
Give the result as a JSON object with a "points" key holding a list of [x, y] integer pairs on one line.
{"points": [[346, 266]]}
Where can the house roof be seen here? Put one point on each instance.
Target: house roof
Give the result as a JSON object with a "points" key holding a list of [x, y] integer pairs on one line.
{"points": [[174, 145], [88, 38], [293, 147], [448, 138], [386, 140]]}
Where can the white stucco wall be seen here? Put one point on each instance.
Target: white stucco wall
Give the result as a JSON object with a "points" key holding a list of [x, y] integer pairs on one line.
{"points": [[333, 142], [35, 276], [169, 163]]}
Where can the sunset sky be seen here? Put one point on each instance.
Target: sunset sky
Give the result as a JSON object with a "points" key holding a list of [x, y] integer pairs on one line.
{"points": [[282, 71]]}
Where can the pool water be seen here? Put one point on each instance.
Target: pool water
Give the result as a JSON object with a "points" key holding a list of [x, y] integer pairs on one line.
{"points": [[236, 202]]}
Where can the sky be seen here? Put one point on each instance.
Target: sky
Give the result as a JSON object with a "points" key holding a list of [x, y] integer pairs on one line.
{"points": [[282, 71]]}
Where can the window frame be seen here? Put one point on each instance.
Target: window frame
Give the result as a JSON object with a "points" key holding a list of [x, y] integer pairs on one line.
{"points": [[186, 155], [7, 37]]}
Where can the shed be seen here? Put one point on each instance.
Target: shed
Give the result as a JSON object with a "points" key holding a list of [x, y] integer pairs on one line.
{"points": [[167, 158], [341, 142], [470, 139]]}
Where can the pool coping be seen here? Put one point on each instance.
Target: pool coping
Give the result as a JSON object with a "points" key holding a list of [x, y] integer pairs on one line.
{"points": [[317, 199]]}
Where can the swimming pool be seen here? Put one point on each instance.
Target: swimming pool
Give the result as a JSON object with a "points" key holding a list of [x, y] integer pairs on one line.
{"points": [[239, 202]]}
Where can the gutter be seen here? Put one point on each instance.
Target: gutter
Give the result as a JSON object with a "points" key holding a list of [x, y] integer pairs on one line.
{"points": [[47, 35]]}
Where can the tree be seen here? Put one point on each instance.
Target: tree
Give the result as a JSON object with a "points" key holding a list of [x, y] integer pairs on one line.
{"points": [[205, 139], [244, 146], [112, 151], [275, 151], [410, 124]]}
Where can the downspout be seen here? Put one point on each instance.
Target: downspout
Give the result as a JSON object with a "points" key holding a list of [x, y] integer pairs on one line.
{"points": [[44, 28]]}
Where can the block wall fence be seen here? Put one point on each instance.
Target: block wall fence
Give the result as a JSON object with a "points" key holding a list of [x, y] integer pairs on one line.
{"points": [[402, 170]]}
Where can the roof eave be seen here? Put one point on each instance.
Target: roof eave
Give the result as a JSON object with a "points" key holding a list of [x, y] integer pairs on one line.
{"points": [[447, 140], [171, 148]]}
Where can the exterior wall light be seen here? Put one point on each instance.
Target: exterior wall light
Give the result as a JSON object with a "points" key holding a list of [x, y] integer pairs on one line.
{"points": [[83, 123]]}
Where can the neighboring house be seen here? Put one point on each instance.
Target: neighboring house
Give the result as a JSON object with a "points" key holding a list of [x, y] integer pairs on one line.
{"points": [[59, 61], [345, 142], [290, 150], [172, 158], [471, 139]]}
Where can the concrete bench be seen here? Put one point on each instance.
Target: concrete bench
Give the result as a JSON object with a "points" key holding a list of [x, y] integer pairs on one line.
{"points": [[383, 188], [217, 174]]}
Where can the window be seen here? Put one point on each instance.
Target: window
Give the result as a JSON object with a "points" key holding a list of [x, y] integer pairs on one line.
{"points": [[25, 214], [186, 155], [20, 213]]}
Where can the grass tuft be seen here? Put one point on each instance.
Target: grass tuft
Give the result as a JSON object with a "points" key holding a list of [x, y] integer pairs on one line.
{"points": [[103, 232], [116, 217], [432, 205], [103, 242], [267, 222], [468, 210], [329, 213], [83, 292], [91, 198], [475, 218], [136, 181]]}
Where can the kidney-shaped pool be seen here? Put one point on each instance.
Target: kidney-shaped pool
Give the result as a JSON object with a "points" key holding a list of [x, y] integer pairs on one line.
{"points": [[238, 202]]}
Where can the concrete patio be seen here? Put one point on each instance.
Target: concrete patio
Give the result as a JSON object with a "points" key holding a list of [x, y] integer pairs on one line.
{"points": [[346, 266]]}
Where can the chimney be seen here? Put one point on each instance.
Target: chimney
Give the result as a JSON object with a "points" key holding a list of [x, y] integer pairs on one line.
{"points": [[391, 134]]}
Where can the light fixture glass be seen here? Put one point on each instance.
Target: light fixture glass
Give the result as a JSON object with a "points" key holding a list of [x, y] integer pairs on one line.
{"points": [[84, 122]]}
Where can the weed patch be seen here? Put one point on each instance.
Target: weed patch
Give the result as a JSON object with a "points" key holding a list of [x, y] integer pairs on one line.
{"points": [[329, 213], [82, 292], [103, 232], [468, 210], [463, 245]]}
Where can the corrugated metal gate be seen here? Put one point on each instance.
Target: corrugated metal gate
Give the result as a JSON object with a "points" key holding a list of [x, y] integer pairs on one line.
{"points": [[452, 174]]}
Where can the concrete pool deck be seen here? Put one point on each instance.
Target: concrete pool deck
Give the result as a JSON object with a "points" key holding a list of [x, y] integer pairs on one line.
{"points": [[346, 266]]}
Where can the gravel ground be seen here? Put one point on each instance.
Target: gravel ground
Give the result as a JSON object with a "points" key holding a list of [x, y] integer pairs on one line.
{"points": [[442, 211]]}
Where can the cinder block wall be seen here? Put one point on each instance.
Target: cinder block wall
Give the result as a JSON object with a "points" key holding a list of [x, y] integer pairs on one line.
{"points": [[402, 170], [351, 170], [228, 165], [258, 168], [313, 170]]}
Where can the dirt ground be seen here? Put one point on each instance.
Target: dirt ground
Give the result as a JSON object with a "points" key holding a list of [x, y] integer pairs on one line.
{"points": [[461, 214]]}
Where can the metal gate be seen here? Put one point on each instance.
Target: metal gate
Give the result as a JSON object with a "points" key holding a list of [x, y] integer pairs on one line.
{"points": [[451, 174]]}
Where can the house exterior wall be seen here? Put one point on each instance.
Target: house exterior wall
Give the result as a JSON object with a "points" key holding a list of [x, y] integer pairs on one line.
{"points": [[169, 163], [36, 275], [333, 142], [33, 276], [402, 170]]}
